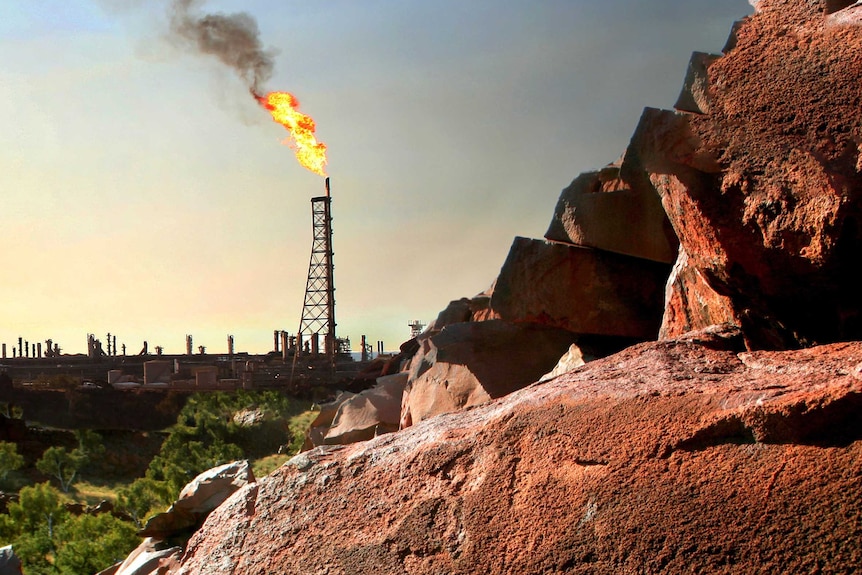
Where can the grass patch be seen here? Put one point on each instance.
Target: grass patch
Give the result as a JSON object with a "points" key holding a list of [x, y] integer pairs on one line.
{"points": [[92, 493], [266, 465], [298, 425]]}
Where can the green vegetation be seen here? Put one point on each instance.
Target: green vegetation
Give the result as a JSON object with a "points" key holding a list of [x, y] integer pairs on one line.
{"points": [[51, 541], [213, 428], [10, 411], [266, 465], [10, 460], [64, 466], [216, 428]]}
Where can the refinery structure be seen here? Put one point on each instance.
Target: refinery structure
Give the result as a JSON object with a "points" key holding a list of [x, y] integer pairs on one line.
{"points": [[313, 356]]}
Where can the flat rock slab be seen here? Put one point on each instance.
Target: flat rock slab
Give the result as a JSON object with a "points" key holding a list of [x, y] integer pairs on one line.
{"points": [[673, 457]]}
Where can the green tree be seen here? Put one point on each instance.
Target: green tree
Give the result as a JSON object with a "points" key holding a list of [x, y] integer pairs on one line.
{"points": [[37, 505], [62, 465], [142, 498], [34, 518], [10, 459], [90, 543], [90, 444], [35, 549]]}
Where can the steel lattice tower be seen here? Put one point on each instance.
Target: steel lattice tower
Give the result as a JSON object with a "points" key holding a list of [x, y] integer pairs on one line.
{"points": [[318, 310]]}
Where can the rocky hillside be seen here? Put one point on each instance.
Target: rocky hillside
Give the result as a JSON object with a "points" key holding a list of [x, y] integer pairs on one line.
{"points": [[721, 255]]}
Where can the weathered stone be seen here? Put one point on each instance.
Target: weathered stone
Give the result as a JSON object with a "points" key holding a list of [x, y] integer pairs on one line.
{"points": [[600, 210], [580, 290], [151, 557], [457, 311], [691, 304], [572, 359], [694, 96], [197, 499], [732, 38], [370, 413], [480, 306], [670, 457], [778, 229], [471, 363], [318, 429]]}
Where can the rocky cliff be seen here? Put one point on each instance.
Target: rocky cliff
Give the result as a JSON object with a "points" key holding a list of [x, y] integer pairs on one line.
{"points": [[726, 240]]}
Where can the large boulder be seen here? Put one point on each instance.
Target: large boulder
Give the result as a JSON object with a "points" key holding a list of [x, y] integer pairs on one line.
{"points": [[166, 534], [151, 557], [471, 363], [316, 433], [691, 303], [580, 290], [765, 190], [370, 413], [682, 456], [600, 210]]}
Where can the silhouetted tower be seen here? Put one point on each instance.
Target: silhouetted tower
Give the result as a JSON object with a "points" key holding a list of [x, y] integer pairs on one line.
{"points": [[318, 310]]}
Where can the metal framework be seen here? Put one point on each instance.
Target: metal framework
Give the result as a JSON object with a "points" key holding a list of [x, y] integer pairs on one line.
{"points": [[318, 310]]}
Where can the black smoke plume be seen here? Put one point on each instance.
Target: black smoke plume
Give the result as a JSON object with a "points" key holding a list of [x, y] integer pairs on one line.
{"points": [[232, 38]]}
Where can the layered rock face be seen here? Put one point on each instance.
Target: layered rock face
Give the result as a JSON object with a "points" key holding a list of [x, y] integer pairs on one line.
{"points": [[670, 457]]}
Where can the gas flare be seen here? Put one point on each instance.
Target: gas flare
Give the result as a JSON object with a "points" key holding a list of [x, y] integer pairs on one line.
{"points": [[310, 153]]}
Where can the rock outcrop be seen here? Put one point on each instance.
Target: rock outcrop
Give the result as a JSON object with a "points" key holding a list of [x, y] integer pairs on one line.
{"points": [[763, 189], [677, 456], [470, 363], [731, 445], [584, 291], [370, 413], [600, 210], [166, 533]]}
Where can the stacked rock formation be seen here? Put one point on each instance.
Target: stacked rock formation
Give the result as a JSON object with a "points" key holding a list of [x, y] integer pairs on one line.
{"points": [[749, 188], [593, 286], [733, 444]]}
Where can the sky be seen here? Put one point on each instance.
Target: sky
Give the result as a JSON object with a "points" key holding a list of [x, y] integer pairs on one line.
{"points": [[144, 193]]}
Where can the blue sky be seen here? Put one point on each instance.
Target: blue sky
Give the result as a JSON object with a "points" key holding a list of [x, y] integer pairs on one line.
{"points": [[147, 195]]}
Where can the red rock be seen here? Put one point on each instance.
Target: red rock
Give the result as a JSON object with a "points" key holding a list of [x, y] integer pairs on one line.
{"points": [[600, 210], [694, 96], [471, 363], [197, 499], [672, 457], [465, 309], [690, 303], [580, 290], [316, 433], [765, 191]]}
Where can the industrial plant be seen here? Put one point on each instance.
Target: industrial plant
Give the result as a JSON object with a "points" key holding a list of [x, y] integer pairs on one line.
{"points": [[311, 357]]}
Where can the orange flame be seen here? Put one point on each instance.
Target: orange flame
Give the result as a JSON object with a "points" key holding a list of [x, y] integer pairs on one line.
{"points": [[310, 153]]}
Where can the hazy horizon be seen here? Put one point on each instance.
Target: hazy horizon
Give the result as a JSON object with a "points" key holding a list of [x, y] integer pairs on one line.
{"points": [[146, 194]]}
